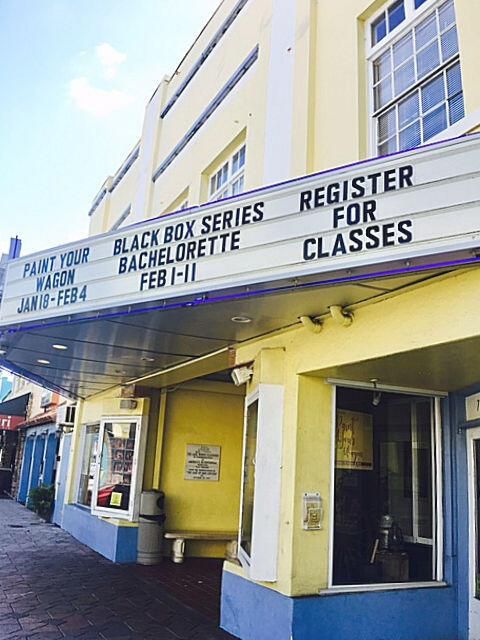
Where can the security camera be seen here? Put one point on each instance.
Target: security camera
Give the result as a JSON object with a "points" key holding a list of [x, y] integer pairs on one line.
{"points": [[241, 375]]}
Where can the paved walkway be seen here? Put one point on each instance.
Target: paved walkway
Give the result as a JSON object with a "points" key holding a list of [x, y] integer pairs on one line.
{"points": [[52, 587]]}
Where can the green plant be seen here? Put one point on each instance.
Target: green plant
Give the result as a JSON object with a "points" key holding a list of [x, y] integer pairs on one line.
{"points": [[41, 500]]}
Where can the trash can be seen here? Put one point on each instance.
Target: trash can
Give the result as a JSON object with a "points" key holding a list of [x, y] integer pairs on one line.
{"points": [[150, 527]]}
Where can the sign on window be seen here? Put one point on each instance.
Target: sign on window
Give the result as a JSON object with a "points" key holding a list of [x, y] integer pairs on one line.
{"points": [[354, 444]]}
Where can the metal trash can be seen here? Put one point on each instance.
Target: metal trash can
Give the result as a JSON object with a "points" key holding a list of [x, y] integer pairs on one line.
{"points": [[151, 527]]}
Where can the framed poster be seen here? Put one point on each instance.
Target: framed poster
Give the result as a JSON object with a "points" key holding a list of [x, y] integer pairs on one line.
{"points": [[354, 440]]}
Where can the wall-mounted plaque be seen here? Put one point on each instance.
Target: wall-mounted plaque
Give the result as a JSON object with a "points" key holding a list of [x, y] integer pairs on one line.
{"points": [[202, 462]]}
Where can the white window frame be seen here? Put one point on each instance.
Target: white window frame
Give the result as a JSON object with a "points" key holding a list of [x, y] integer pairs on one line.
{"points": [[412, 18], [473, 433], [262, 564], [137, 469], [83, 437], [437, 490], [226, 188]]}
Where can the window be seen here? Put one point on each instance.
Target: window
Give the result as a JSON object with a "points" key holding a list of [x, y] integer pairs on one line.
{"points": [[387, 21], [87, 469], [384, 489], [416, 82], [229, 179]]}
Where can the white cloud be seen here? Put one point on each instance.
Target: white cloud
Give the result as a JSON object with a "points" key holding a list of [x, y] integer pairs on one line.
{"points": [[98, 102], [110, 59]]}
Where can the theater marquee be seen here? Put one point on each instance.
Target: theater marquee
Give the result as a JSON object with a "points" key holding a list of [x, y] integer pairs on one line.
{"points": [[416, 204]]}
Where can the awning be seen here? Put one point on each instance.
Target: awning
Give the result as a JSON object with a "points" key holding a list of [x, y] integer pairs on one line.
{"points": [[190, 286], [13, 412]]}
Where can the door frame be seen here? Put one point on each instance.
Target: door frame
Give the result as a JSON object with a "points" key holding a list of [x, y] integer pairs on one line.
{"points": [[472, 434], [437, 484]]}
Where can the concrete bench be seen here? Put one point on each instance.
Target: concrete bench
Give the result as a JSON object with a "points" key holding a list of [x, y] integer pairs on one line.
{"points": [[179, 538]]}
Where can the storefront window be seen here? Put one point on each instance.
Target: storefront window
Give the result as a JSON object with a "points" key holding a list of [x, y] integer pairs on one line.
{"points": [[87, 470], [384, 516], [116, 465], [249, 477]]}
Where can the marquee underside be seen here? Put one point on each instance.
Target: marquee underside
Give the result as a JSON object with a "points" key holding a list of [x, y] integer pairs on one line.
{"points": [[126, 345]]}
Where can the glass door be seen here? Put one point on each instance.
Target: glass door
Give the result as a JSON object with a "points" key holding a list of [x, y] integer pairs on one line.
{"points": [[473, 448]]}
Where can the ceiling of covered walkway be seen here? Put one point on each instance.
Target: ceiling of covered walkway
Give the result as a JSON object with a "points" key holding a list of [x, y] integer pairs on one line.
{"points": [[124, 345]]}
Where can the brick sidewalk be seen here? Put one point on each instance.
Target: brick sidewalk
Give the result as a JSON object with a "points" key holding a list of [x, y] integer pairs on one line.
{"points": [[52, 587]]}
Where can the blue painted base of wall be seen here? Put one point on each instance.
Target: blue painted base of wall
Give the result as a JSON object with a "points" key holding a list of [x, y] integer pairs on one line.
{"points": [[118, 544], [252, 612]]}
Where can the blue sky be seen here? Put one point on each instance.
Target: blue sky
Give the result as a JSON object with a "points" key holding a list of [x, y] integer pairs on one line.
{"points": [[75, 78]]}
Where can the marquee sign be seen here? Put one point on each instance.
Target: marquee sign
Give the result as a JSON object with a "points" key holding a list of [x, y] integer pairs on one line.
{"points": [[420, 203]]}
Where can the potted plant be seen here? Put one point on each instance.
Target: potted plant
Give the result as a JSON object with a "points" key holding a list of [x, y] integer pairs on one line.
{"points": [[41, 500]]}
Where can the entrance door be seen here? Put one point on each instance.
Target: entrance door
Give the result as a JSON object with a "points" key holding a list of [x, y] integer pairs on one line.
{"points": [[473, 449]]}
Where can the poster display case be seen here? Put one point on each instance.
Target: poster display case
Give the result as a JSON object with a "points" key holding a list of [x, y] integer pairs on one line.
{"points": [[119, 467]]}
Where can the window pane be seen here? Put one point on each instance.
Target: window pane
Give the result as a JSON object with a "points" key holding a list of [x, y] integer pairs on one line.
{"points": [[387, 125], [235, 162], [237, 186], [418, 3], [383, 93], [404, 77], [426, 31], [434, 122], [241, 158], [446, 15], [428, 59], [390, 146], [396, 15], [449, 42], [408, 110], [402, 50], [379, 29], [249, 477], [456, 108], [381, 66], [423, 468], [454, 80], [116, 465], [222, 175], [410, 137], [433, 93], [212, 184], [87, 469]]}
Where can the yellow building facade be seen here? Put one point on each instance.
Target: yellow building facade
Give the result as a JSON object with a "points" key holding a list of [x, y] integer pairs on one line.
{"points": [[343, 459]]}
